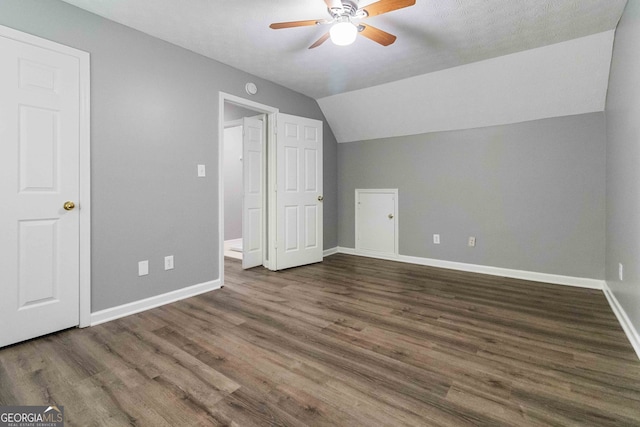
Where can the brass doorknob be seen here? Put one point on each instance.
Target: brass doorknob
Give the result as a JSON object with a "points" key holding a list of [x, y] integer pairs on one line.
{"points": [[68, 206], [390, 216], [321, 198]]}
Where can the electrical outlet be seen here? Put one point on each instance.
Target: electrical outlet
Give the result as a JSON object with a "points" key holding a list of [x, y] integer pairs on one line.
{"points": [[620, 271], [168, 262], [436, 239], [472, 241], [143, 268]]}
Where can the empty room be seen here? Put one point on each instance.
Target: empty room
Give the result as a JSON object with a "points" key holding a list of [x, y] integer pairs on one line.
{"points": [[320, 213]]}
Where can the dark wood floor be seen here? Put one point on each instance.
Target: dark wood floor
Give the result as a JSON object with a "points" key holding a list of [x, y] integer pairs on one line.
{"points": [[351, 341]]}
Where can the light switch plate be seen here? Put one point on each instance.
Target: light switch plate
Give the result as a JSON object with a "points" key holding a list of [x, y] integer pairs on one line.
{"points": [[436, 239], [143, 268], [620, 271], [202, 171], [168, 262]]}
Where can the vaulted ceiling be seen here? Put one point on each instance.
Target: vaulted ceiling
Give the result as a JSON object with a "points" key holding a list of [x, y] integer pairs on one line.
{"points": [[433, 35]]}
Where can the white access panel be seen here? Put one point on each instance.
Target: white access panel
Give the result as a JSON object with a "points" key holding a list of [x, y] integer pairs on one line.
{"points": [[377, 222]]}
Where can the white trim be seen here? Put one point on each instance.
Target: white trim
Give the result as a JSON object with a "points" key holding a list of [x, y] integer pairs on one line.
{"points": [[375, 254], [85, 191], [240, 122], [233, 123], [330, 251], [231, 242], [396, 248], [271, 138], [630, 331], [114, 313], [84, 201], [271, 193], [346, 251], [233, 254], [580, 282]]}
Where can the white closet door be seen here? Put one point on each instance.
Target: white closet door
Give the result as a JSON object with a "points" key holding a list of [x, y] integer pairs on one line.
{"points": [[39, 166]]}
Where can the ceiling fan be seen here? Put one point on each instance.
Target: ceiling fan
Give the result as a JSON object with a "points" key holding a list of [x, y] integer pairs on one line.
{"points": [[343, 14]]}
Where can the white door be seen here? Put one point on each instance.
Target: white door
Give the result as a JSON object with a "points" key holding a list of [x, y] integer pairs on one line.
{"points": [[299, 191], [253, 192], [377, 222], [39, 169]]}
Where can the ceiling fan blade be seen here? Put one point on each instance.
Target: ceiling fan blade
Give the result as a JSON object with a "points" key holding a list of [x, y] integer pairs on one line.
{"points": [[384, 6], [279, 25], [377, 35], [321, 40]]}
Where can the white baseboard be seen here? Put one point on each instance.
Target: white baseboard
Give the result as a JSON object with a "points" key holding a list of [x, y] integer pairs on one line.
{"points": [[581, 282], [229, 243], [330, 251], [623, 319], [348, 251], [113, 313]]}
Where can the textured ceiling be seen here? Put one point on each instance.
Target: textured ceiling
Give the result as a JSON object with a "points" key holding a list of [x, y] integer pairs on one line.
{"points": [[432, 35]]}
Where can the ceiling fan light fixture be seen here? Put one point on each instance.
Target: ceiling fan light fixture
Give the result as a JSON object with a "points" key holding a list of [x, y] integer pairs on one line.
{"points": [[343, 33]]}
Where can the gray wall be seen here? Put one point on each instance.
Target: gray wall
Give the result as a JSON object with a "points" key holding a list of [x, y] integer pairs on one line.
{"points": [[623, 164], [533, 194], [154, 114], [232, 183]]}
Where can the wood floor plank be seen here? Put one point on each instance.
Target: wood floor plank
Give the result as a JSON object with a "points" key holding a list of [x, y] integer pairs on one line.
{"points": [[350, 341]]}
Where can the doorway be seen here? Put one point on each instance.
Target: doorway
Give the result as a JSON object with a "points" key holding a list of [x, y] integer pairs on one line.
{"points": [[290, 218], [232, 187], [245, 133], [244, 158]]}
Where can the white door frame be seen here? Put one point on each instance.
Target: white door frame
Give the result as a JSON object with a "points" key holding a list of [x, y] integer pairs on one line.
{"points": [[85, 160], [270, 194]]}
